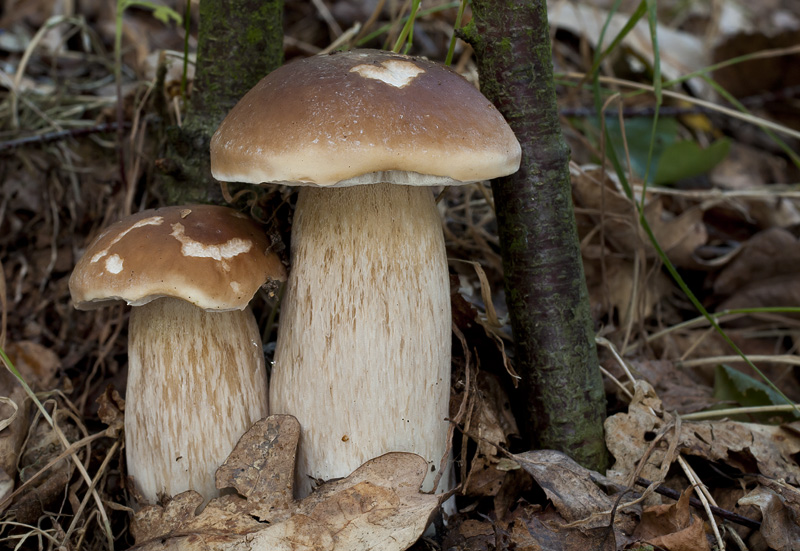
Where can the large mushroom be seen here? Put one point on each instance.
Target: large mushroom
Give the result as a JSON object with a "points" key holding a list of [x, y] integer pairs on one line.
{"points": [[363, 353], [196, 376]]}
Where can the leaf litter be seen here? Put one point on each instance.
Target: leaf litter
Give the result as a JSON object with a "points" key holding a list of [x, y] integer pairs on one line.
{"points": [[732, 233]]}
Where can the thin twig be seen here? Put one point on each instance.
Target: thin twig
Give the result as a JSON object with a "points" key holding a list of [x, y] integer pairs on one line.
{"points": [[697, 504], [49, 137]]}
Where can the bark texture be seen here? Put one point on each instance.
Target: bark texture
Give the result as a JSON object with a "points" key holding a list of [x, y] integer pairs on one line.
{"points": [[561, 391], [240, 41]]}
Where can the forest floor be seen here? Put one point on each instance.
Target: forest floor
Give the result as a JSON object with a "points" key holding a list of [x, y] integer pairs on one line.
{"points": [[722, 199]]}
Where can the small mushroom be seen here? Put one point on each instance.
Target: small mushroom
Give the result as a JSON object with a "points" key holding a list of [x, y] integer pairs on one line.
{"points": [[196, 377], [363, 353]]}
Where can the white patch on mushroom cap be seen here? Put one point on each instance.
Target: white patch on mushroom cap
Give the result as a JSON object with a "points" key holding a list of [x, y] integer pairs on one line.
{"points": [[114, 264], [152, 221], [396, 72], [190, 247]]}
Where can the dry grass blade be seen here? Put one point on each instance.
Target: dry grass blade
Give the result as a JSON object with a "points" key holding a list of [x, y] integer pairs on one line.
{"points": [[757, 121], [729, 412], [714, 360], [73, 448], [3, 307], [703, 495], [66, 444]]}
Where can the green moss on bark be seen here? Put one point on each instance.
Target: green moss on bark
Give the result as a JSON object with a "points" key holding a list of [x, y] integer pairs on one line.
{"points": [[240, 41]]}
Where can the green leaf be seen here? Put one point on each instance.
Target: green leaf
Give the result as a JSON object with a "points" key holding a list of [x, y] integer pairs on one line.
{"points": [[731, 385], [638, 134], [686, 159], [162, 13]]}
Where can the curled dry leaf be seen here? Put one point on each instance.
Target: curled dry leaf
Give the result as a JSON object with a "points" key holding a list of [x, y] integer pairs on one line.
{"points": [[629, 435], [673, 527], [780, 511], [491, 425], [378, 506], [764, 272], [575, 493]]}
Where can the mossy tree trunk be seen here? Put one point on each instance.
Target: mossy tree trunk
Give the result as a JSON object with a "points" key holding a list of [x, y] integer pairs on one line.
{"points": [[240, 41], [561, 392]]}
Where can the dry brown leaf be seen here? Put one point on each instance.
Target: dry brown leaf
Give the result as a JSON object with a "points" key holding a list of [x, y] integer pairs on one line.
{"points": [[529, 528], [110, 408], [673, 527], [745, 446], [764, 273], [532, 530], [746, 167], [782, 290], [679, 390], [470, 535], [618, 288], [495, 424], [678, 235], [578, 499], [37, 365], [261, 466], [680, 52], [769, 253], [516, 484], [568, 485], [628, 434], [378, 506], [780, 525], [780, 511]]}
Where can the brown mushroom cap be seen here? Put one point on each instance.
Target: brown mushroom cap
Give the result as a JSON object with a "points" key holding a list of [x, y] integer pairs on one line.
{"points": [[361, 117], [210, 256]]}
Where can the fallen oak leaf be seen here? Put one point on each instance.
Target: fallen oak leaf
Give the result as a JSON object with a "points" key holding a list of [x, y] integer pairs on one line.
{"points": [[271, 441], [379, 506], [261, 466]]}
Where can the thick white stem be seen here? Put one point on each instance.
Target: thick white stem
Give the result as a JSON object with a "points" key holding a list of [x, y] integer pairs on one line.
{"points": [[363, 353], [196, 383]]}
